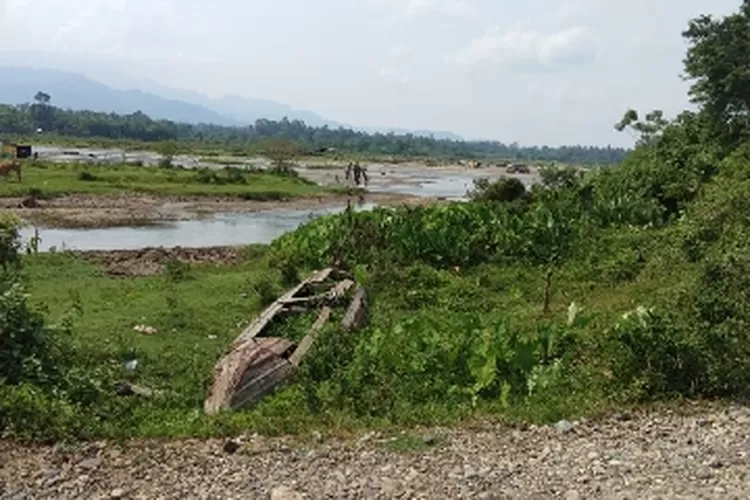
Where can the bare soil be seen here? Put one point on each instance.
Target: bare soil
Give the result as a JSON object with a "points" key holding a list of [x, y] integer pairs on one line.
{"points": [[132, 209], [701, 453], [150, 261]]}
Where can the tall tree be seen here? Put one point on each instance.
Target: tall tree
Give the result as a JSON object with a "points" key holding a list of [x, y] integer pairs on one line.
{"points": [[718, 63]]}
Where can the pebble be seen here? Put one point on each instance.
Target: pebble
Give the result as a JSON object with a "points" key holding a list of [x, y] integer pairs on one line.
{"points": [[608, 458], [563, 426], [90, 463]]}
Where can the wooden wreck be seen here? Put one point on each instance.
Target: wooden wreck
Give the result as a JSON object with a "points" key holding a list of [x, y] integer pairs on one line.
{"points": [[255, 365]]}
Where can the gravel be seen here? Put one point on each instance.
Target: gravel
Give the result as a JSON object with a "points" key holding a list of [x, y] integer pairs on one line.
{"points": [[702, 453]]}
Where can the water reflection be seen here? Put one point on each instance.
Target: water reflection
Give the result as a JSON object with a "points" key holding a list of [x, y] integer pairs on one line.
{"points": [[221, 229]]}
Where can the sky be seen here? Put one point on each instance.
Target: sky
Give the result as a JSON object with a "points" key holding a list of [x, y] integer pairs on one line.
{"points": [[535, 72]]}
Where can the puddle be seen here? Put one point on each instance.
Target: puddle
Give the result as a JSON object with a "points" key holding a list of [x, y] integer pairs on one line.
{"points": [[219, 230]]}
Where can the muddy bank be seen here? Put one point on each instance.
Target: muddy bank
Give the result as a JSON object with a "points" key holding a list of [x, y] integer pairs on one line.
{"points": [[150, 261], [118, 210]]}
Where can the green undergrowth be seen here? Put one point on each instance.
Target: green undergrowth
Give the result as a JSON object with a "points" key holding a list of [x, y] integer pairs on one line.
{"points": [[441, 345], [589, 292], [48, 180]]}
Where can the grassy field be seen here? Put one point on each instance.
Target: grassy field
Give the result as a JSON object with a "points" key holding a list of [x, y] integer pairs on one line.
{"points": [[394, 373], [48, 179]]}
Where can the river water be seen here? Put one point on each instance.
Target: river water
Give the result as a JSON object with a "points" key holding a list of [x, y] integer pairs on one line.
{"points": [[242, 228]]}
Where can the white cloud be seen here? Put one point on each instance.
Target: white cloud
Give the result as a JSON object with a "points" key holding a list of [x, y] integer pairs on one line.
{"points": [[414, 8], [569, 10], [528, 49], [392, 75], [400, 50]]}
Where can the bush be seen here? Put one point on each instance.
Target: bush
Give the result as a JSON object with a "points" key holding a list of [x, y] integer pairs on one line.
{"points": [[87, 176], [43, 380], [504, 190]]}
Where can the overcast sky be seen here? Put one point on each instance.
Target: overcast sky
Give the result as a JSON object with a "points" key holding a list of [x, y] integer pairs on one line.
{"points": [[534, 71]]}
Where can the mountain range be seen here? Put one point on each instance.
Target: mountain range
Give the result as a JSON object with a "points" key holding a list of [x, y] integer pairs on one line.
{"points": [[76, 91]]}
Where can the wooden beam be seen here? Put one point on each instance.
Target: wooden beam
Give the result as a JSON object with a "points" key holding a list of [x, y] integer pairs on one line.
{"points": [[296, 358], [268, 314], [355, 315]]}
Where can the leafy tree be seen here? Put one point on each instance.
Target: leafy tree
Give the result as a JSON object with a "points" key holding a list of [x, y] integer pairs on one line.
{"points": [[280, 151], [24, 119], [41, 111], [719, 68], [167, 150], [648, 130], [42, 98]]}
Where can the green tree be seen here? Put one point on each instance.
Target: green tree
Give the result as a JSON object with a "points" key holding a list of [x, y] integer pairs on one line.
{"points": [[648, 130], [42, 112], [42, 98], [550, 236], [281, 151], [718, 65]]}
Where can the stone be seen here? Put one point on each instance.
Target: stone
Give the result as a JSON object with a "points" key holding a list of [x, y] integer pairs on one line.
{"points": [[231, 446], [117, 493], [90, 463], [563, 426], [284, 493], [429, 440], [572, 495]]}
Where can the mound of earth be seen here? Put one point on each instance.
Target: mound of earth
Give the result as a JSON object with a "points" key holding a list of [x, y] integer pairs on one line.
{"points": [[149, 261]]}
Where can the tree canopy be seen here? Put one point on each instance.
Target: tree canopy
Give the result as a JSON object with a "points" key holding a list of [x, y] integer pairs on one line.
{"points": [[27, 118]]}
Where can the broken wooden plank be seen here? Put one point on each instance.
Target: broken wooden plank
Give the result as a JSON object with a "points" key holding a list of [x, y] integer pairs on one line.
{"points": [[262, 380], [335, 293], [231, 371], [356, 314], [268, 314], [254, 366], [296, 358]]}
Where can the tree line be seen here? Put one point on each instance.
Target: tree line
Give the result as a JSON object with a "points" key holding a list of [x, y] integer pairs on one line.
{"points": [[30, 118]]}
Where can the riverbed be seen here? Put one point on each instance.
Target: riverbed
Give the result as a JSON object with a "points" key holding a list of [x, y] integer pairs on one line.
{"points": [[128, 223]]}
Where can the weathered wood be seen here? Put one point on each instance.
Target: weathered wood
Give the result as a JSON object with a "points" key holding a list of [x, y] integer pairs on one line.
{"points": [[296, 358], [356, 314], [257, 358], [335, 293], [254, 365], [268, 314]]}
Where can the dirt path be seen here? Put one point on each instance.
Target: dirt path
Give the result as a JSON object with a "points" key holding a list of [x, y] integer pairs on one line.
{"points": [[92, 211], [702, 454]]}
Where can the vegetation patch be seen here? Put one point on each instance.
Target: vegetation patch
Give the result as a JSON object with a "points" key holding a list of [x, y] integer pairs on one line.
{"points": [[48, 180], [592, 291]]}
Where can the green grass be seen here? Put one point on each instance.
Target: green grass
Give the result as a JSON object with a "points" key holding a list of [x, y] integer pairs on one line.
{"points": [[198, 313], [50, 180]]}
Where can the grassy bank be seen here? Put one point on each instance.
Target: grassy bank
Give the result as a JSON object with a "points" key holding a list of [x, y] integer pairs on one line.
{"points": [[49, 180], [442, 344]]}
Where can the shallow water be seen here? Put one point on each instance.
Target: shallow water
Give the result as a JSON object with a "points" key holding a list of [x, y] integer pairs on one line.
{"points": [[220, 229], [443, 185], [239, 228]]}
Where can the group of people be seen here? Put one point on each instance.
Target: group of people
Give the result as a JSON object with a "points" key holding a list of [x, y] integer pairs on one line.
{"points": [[358, 173]]}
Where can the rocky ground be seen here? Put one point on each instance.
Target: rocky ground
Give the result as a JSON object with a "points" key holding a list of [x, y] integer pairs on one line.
{"points": [[701, 453]]}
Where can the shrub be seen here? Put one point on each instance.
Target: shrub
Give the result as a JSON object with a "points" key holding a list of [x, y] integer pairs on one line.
{"points": [[504, 190], [87, 176]]}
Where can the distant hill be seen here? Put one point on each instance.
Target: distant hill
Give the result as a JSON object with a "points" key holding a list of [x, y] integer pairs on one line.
{"points": [[76, 91]]}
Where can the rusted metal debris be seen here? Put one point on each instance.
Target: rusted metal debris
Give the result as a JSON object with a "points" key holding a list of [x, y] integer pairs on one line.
{"points": [[255, 365]]}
